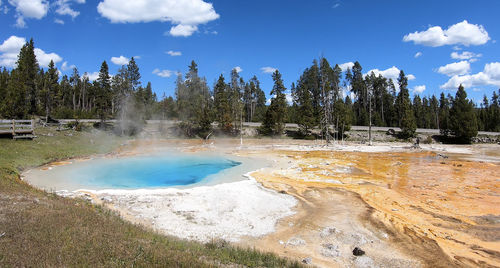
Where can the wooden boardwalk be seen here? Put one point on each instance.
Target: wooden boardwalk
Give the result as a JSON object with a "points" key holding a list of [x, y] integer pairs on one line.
{"points": [[19, 129]]}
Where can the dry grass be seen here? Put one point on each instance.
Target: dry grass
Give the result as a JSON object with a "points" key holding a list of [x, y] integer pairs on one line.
{"points": [[41, 229]]}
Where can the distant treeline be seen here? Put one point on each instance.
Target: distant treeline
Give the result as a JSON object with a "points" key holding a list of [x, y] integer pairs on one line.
{"points": [[321, 99]]}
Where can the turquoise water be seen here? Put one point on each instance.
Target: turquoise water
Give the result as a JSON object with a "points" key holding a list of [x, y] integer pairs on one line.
{"points": [[147, 171]]}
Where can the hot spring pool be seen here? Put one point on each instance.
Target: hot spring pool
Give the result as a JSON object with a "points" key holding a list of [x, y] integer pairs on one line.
{"points": [[172, 169]]}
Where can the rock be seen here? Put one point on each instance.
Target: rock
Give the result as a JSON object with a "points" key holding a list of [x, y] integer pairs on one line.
{"points": [[307, 260], [358, 252], [327, 232], [330, 250], [295, 241]]}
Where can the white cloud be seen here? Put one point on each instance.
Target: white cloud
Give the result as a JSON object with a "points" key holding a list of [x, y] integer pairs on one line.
{"points": [[64, 8], [490, 76], [346, 65], [391, 73], [45, 58], [418, 54], [59, 21], [186, 15], [466, 55], [65, 66], [456, 68], [183, 30], [92, 76], [462, 33], [122, 60], [288, 96], [268, 70], [174, 53], [164, 73], [238, 69], [419, 89], [33, 9], [10, 50]]}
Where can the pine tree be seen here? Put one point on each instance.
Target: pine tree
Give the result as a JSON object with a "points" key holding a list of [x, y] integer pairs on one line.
{"points": [[274, 120], [14, 105], [408, 123], [4, 82], [221, 105], [50, 89], [27, 67], [303, 101], [103, 92], [494, 112], [133, 75], [444, 115], [463, 122]]}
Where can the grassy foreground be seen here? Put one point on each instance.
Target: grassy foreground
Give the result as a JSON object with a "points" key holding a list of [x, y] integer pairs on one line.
{"points": [[39, 229]]}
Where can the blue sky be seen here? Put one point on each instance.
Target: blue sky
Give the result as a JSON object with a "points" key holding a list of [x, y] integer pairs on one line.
{"points": [[384, 36]]}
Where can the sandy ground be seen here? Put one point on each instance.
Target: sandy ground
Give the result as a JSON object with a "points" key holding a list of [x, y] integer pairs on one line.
{"points": [[437, 206]]}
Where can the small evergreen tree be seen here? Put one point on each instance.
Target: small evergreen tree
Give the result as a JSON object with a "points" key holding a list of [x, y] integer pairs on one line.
{"points": [[303, 101], [463, 122], [274, 120], [222, 107], [408, 123], [103, 93]]}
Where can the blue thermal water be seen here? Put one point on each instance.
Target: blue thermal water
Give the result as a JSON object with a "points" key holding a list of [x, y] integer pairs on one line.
{"points": [[148, 171]]}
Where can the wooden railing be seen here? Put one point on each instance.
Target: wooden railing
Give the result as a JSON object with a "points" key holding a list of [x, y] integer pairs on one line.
{"points": [[17, 128]]}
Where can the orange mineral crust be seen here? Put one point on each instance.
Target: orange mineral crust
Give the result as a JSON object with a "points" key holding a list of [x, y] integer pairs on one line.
{"points": [[449, 203]]}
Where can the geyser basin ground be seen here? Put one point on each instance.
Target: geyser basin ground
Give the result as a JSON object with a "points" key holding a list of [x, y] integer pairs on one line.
{"points": [[197, 195]]}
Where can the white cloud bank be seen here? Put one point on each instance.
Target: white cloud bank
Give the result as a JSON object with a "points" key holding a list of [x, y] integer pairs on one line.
{"points": [[490, 76], [268, 70], [122, 60], [186, 15], [462, 33], [9, 50], [456, 68]]}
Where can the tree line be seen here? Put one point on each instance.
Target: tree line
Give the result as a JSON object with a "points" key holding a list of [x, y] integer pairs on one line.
{"points": [[325, 100], [28, 90]]}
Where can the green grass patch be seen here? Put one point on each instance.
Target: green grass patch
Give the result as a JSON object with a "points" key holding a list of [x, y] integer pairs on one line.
{"points": [[45, 230]]}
